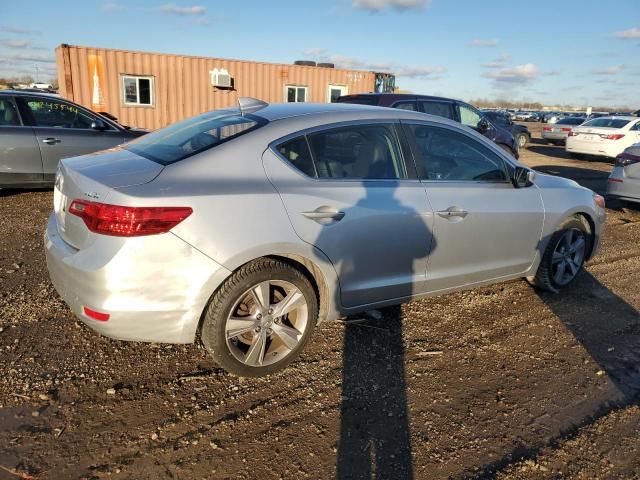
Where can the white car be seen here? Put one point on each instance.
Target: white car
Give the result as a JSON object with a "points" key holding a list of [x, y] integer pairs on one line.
{"points": [[604, 136]]}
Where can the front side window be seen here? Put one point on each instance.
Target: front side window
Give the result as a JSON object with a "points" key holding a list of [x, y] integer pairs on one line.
{"points": [[440, 109], [8, 113], [137, 90], [469, 116], [194, 135], [444, 154], [405, 105], [295, 94], [358, 152], [56, 114]]}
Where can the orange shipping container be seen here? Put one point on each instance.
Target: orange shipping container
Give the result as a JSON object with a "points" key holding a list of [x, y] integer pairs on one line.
{"points": [[151, 90]]}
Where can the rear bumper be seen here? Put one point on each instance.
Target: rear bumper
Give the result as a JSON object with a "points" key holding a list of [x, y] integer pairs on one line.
{"points": [[620, 186], [590, 148], [154, 288], [554, 136]]}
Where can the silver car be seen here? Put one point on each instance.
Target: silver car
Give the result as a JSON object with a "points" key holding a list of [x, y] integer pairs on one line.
{"points": [[247, 227], [557, 133], [37, 130], [624, 180]]}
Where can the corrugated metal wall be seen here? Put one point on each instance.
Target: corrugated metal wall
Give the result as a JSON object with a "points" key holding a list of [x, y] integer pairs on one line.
{"points": [[182, 83]]}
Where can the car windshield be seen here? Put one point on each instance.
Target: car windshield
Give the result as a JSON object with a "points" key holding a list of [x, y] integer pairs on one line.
{"points": [[194, 135], [571, 121], [606, 122]]}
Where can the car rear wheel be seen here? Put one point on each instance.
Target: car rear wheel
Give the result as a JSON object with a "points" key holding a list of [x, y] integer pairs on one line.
{"points": [[260, 319], [522, 139], [564, 257]]}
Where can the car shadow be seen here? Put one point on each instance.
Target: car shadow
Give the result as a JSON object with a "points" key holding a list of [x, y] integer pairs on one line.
{"points": [[596, 180], [375, 439]]}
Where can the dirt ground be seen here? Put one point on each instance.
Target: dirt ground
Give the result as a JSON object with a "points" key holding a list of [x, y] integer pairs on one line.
{"points": [[498, 382]]}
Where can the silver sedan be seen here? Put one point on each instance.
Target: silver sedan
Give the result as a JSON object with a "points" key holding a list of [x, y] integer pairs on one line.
{"points": [[247, 227], [624, 180]]}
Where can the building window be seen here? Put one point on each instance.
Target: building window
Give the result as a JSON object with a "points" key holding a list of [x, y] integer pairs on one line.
{"points": [[295, 93], [137, 90], [336, 91]]}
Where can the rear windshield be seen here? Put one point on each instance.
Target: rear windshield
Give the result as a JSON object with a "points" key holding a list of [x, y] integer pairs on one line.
{"points": [[194, 135], [606, 122], [358, 100], [571, 121]]}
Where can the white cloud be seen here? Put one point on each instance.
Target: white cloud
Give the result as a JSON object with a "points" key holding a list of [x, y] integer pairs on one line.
{"points": [[379, 5], [112, 7], [14, 43], [26, 57], [19, 30], [499, 62], [614, 70], [185, 11], [478, 42], [520, 74], [628, 34]]}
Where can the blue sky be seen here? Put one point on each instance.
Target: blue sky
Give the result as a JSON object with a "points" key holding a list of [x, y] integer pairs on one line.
{"points": [[571, 51]]}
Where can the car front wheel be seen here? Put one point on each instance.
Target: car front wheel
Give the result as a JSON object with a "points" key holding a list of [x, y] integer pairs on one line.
{"points": [[564, 256], [260, 319]]}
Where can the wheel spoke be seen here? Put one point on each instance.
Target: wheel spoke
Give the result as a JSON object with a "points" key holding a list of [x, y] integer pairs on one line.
{"points": [[289, 336], [557, 257], [261, 294], [577, 245], [562, 268], [572, 266], [255, 355], [239, 325], [567, 239], [292, 301]]}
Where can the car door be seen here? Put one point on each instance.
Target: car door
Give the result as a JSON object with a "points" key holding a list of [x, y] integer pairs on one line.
{"points": [[20, 161], [63, 129], [484, 227], [349, 192]]}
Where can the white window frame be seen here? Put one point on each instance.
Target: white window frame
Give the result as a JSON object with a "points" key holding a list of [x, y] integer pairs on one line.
{"points": [[306, 93], [344, 90], [137, 78]]}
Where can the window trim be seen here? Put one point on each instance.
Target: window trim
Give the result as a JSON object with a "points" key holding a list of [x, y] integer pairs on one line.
{"points": [[152, 90], [507, 164], [287, 86], [409, 164]]}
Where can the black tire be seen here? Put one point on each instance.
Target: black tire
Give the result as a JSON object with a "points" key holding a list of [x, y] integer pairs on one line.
{"points": [[522, 139], [213, 333], [305, 63], [544, 278]]}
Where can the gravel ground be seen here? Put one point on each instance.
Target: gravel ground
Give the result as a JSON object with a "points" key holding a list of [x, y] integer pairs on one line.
{"points": [[498, 382]]}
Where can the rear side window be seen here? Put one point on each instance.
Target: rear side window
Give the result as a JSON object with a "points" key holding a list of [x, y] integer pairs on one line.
{"points": [[8, 113], [297, 153], [440, 109], [447, 155], [194, 135], [358, 152], [606, 122]]}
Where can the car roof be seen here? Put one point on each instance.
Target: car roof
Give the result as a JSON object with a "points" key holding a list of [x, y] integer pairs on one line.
{"points": [[400, 96], [29, 93]]}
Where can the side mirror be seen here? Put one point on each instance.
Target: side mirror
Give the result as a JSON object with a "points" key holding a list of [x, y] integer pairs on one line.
{"points": [[483, 125], [98, 124], [523, 177]]}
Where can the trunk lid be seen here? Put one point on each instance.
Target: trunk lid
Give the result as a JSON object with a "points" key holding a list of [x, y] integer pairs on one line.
{"points": [[92, 177]]}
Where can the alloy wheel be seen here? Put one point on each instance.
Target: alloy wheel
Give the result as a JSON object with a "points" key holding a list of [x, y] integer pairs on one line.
{"points": [[568, 256]]}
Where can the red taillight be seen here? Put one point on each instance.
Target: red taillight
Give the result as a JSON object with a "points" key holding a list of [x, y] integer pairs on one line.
{"points": [[122, 221], [573, 134], [547, 129], [616, 136], [101, 317], [625, 159], [565, 129]]}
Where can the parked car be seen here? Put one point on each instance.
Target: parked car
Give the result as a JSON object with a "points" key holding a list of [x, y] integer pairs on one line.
{"points": [[37, 130], [624, 180], [248, 227], [557, 133], [555, 117], [523, 116], [520, 132], [442, 107], [604, 136]]}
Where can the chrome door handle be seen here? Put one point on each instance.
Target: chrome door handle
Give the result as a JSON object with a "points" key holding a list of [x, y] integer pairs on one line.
{"points": [[452, 212], [51, 141], [324, 215]]}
